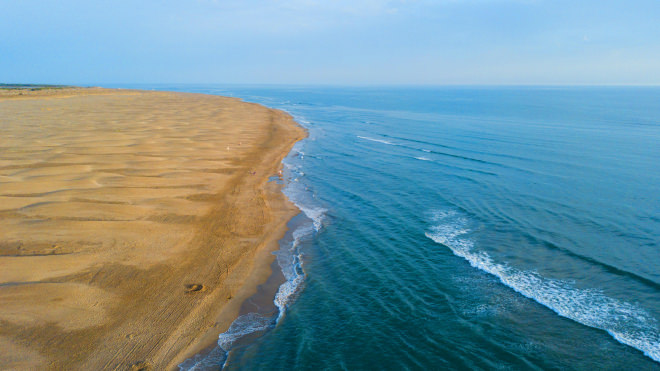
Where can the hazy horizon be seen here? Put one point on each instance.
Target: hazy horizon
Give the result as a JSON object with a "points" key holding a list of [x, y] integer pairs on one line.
{"points": [[305, 42]]}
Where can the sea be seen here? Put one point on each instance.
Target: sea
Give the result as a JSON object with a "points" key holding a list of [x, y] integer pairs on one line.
{"points": [[461, 227]]}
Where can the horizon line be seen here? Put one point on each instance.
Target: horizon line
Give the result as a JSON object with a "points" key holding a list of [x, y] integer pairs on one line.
{"points": [[365, 85]]}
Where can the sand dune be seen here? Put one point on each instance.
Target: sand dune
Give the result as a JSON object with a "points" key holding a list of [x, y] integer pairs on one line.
{"points": [[132, 223]]}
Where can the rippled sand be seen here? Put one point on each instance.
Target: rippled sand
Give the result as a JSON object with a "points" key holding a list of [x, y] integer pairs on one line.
{"points": [[132, 223]]}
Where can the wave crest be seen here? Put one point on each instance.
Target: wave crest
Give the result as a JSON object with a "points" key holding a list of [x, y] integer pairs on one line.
{"points": [[627, 323]]}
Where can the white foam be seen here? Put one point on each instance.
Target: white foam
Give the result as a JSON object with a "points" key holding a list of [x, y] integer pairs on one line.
{"points": [[289, 257], [290, 261], [301, 196], [210, 361], [244, 325], [423, 158], [376, 140], [627, 323], [286, 293], [316, 214]]}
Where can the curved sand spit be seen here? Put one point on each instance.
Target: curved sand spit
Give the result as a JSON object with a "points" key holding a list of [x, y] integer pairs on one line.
{"points": [[132, 223]]}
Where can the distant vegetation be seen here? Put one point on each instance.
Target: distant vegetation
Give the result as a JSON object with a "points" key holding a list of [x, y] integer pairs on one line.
{"points": [[32, 86]]}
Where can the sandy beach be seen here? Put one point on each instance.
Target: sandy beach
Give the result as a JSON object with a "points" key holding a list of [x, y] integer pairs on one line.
{"points": [[133, 224]]}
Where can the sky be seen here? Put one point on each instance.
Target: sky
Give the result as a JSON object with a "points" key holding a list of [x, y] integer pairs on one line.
{"points": [[338, 42]]}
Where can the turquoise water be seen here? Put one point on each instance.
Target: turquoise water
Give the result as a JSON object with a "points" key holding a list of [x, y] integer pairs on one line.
{"points": [[465, 228]]}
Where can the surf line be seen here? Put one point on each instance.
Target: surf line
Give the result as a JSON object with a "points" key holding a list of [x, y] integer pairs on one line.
{"points": [[625, 322], [302, 228]]}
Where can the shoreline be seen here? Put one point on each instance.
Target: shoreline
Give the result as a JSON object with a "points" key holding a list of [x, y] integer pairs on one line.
{"points": [[266, 269], [165, 311], [260, 306]]}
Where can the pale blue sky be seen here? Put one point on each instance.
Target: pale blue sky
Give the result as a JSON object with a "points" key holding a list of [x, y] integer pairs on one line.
{"points": [[330, 42]]}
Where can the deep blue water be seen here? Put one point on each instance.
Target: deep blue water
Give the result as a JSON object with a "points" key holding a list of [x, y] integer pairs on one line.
{"points": [[466, 228]]}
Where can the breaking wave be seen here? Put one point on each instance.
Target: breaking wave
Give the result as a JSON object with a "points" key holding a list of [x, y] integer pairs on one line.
{"points": [[627, 323]]}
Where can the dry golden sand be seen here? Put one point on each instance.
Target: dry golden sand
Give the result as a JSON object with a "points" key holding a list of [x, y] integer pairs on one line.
{"points": [[132, 223]]}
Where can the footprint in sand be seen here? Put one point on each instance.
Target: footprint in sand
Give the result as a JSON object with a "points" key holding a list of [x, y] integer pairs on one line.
{"points": [[194, 287]]}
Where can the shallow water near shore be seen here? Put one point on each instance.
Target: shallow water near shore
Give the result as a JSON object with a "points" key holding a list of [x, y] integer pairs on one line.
{"points": [[481, 228]]}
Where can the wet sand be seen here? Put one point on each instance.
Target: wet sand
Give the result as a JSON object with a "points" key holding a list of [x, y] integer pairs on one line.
{"points": [[133, 224]]}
